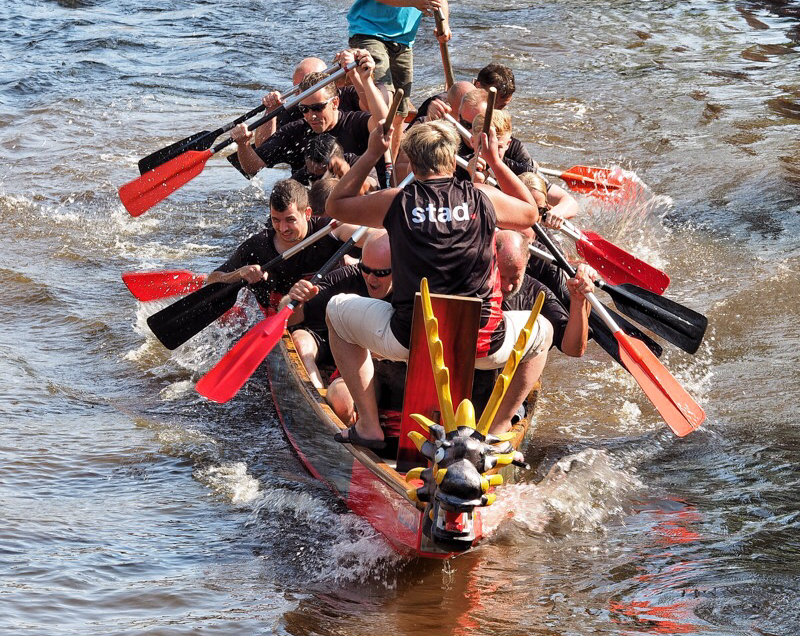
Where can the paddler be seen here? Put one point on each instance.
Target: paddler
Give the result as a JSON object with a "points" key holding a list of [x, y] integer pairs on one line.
{"points": [[442, 229], [570, 327], [370, 278], [290, 222], [321, 114]]}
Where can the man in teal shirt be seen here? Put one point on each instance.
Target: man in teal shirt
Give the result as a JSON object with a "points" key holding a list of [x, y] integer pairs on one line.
{"points": [[387, 29]]}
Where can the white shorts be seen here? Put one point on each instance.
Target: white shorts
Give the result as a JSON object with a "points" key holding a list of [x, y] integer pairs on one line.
{"points": [[365, 322]]}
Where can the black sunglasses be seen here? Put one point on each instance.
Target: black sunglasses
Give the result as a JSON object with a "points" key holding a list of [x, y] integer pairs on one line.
{"points": [[380, 273], [317, 108], [465, 123]]}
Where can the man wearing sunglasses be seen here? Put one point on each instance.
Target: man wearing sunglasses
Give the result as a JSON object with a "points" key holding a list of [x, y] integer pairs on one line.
{"points": [[321, 114], [370, 278]]}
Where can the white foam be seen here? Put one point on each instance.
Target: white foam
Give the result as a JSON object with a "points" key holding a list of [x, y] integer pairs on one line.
{"points": [[231, 481]]}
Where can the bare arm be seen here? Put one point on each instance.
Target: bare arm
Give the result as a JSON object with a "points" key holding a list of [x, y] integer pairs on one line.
{"points": [[249, 273], [265, 131], [514, 205], [576, 333], [251, 162], [345, 204], [563, 206]]}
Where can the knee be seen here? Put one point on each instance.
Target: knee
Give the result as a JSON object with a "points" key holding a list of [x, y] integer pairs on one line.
{"points": [[340, 400], [304, 343]]}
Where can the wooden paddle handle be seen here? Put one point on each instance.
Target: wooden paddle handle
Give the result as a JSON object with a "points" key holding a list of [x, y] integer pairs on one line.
{"points": [[396, 100], [449, 78]]}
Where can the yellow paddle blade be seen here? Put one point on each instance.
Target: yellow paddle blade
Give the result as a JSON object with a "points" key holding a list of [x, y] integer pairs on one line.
{"points": [[504, 379], [441, 376]]}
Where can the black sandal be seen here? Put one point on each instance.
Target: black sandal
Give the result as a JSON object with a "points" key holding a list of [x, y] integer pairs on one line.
{"points": [[354, 438]]}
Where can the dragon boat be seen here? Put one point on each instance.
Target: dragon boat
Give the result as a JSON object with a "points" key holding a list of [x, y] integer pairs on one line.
{"points": [[425, 495]]}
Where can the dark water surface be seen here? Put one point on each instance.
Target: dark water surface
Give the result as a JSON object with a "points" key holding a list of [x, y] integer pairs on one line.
{"points": [[128, 505]]}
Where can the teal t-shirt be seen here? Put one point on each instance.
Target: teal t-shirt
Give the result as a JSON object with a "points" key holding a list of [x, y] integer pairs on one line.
{"points": [[393, 24]]}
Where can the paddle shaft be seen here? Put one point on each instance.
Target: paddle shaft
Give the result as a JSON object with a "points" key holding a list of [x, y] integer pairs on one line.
{"points": [[449, 77], [328, 266], [398, 97], [187, 317], [289, 104], [252, 113]]}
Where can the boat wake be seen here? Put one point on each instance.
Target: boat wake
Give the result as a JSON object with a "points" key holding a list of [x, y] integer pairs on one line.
{"points": [[581, 493]]}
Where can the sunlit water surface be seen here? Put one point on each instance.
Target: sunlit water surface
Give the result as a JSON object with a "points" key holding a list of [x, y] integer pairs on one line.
{"points": [[129, 505]]}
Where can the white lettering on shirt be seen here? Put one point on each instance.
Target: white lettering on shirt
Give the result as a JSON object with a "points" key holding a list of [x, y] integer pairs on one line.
{"points": [[442, 215]]}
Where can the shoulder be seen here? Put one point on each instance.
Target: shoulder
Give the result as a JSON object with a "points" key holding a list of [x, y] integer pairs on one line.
{"points": [[353, 118]]}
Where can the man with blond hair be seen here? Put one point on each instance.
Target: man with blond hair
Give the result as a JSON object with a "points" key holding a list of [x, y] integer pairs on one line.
{"points": [[441, 229]]}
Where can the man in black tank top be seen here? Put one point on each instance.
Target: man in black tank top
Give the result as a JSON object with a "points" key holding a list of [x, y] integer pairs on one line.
{"points": [[443, 230]]}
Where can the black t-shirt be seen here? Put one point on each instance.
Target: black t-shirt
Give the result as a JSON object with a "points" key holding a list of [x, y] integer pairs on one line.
{"points": [[344, 280], [288, 144], [552, 309], [259, 249], [517, 158], [306, 178], [422, 111], [348, 97], [452, 246]]}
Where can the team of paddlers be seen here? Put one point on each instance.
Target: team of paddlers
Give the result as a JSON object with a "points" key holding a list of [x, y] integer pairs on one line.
{"points": [[447, 194], [441, 226]]}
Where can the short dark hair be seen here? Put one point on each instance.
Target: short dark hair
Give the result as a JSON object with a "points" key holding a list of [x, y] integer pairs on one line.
{"points": [[322, 148], [329, 90], [499, 76], [319, 193], [286, 192]]}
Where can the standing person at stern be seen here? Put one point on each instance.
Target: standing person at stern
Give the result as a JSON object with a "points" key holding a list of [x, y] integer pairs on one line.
{"points": [[387, 29]]}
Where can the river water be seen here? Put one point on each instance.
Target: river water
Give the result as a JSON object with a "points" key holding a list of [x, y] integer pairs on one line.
{"points": [[129, 505]]}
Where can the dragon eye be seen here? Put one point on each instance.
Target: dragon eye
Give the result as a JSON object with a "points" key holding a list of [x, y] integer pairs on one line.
{"points": [[439, 455]]}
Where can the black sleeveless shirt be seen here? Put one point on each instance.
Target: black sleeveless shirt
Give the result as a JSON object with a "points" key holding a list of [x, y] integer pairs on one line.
{"points": [[443, 230]]}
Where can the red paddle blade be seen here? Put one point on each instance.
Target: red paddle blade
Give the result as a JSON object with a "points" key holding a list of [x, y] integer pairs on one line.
{"points": [[147, 286], [143, 193], [229, 374], [591, 180], [679, 410], [618, 266]]}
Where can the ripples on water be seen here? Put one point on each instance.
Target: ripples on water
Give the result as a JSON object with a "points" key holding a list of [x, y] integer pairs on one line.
{"points": [[132, 506]]}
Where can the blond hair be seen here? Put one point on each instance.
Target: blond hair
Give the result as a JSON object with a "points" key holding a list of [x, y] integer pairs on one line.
{"points": [[501, 122], [535, 183], [431, 148]]}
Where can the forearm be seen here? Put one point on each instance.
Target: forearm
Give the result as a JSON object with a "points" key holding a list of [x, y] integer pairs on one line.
{"points": [[511, 184], [562, 202], [377, 106], [250, 161], [339, 202], [223, 277], [576, 333]]}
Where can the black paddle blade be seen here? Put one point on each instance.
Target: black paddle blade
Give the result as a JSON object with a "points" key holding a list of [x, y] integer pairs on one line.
{"points": [[175, 324], [675, 323], [199, 141], [603, 336]]}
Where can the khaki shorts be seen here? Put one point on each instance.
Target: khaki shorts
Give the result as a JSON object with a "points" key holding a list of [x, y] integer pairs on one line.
{"points": [[394, 65], [365, 322]]}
